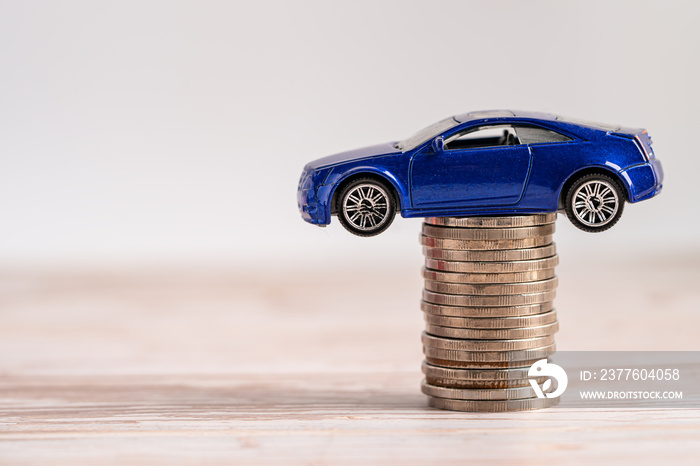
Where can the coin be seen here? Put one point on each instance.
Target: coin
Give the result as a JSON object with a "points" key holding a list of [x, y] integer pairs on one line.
{"points": [[483, 384], [471, 374], [485, 345], [487, 233], [492, 267], [493, 222], [485, 311], [481, 365], [500, 355], [473, 300], [492, 322], [478, 378], [508, 277], [493, 334], [492, 289], [488, 298], [475, 245], [478, 394], [492, 406], [505, 255]]}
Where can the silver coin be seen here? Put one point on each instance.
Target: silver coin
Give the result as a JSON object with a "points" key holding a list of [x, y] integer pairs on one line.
{"points": [[492, 289], [487, 233], [493, 334], [473, 300], [452, 377], [433, 341], [492, 322], [492, 267], [478, 394], [508, 277], [481, 365], [486, 359], [484, 311], [491, 406], [517, 373], [483, 384], [448, 357], [504, 255], [485, 245], [493, 222]]}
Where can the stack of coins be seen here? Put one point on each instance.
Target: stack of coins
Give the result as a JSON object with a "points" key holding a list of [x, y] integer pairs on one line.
{"points": [[488, 305]]}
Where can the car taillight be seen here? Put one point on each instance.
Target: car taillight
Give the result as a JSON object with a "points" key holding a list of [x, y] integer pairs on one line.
{"points": [[644, 142]]}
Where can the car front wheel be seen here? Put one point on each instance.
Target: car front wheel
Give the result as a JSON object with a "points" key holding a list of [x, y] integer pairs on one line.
{"points": [[366, 207], [594, 203]]}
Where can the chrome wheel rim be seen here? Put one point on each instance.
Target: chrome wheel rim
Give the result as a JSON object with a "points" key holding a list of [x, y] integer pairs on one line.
{"points": [[366, 207], [595, 203]]}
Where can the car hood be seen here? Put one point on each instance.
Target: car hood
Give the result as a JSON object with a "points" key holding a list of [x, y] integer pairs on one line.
{"points": [[350, 156]]}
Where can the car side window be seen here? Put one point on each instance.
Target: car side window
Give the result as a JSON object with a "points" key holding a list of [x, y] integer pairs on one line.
{"points": [[535, 135], [484, 136]]}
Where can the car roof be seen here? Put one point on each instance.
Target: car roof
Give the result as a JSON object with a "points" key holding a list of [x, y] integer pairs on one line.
{"points": [[486, 114], [519, 114]]}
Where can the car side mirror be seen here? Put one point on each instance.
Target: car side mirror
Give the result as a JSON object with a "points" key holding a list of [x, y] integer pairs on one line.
{"points": [[438, 144]]}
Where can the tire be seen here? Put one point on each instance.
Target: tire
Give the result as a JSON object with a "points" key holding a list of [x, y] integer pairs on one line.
{"points": [[594, 203], [366, 207]]}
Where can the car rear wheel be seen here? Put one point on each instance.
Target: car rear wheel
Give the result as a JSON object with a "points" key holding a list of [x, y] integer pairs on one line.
{"points": [[366, 207], [594, 202]]}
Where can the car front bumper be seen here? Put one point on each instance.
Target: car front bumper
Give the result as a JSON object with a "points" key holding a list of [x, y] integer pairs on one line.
{"points": [[308, 195]]}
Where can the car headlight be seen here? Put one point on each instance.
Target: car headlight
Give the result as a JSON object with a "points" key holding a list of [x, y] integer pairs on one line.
{"points": [[319, 176], [306, 181]]}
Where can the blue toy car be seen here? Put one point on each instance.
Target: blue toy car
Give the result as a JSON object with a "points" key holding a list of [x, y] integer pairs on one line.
{"points": [[486, 163]]}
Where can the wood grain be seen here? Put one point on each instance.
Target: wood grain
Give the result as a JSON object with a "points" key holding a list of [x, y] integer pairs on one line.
{"points": [[212, 366]]}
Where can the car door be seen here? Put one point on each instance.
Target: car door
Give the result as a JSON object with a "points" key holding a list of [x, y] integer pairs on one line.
{"points": [[555, 157], [479, 166]]}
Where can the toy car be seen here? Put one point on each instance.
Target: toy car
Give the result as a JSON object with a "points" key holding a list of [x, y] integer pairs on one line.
{"points": [[486, 163]]}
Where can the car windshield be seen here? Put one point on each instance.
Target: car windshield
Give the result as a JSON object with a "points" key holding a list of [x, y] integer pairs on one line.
{"points": [[426, 134]]}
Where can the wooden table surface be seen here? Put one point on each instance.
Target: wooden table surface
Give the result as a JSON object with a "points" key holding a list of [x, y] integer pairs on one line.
{"points": [[306, 365]]}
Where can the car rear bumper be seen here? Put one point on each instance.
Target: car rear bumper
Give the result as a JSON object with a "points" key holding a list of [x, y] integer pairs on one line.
{"points": [[644, 180]]}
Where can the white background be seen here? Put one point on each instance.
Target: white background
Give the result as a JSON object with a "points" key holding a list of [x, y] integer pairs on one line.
{"points": [[175, 131]]}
